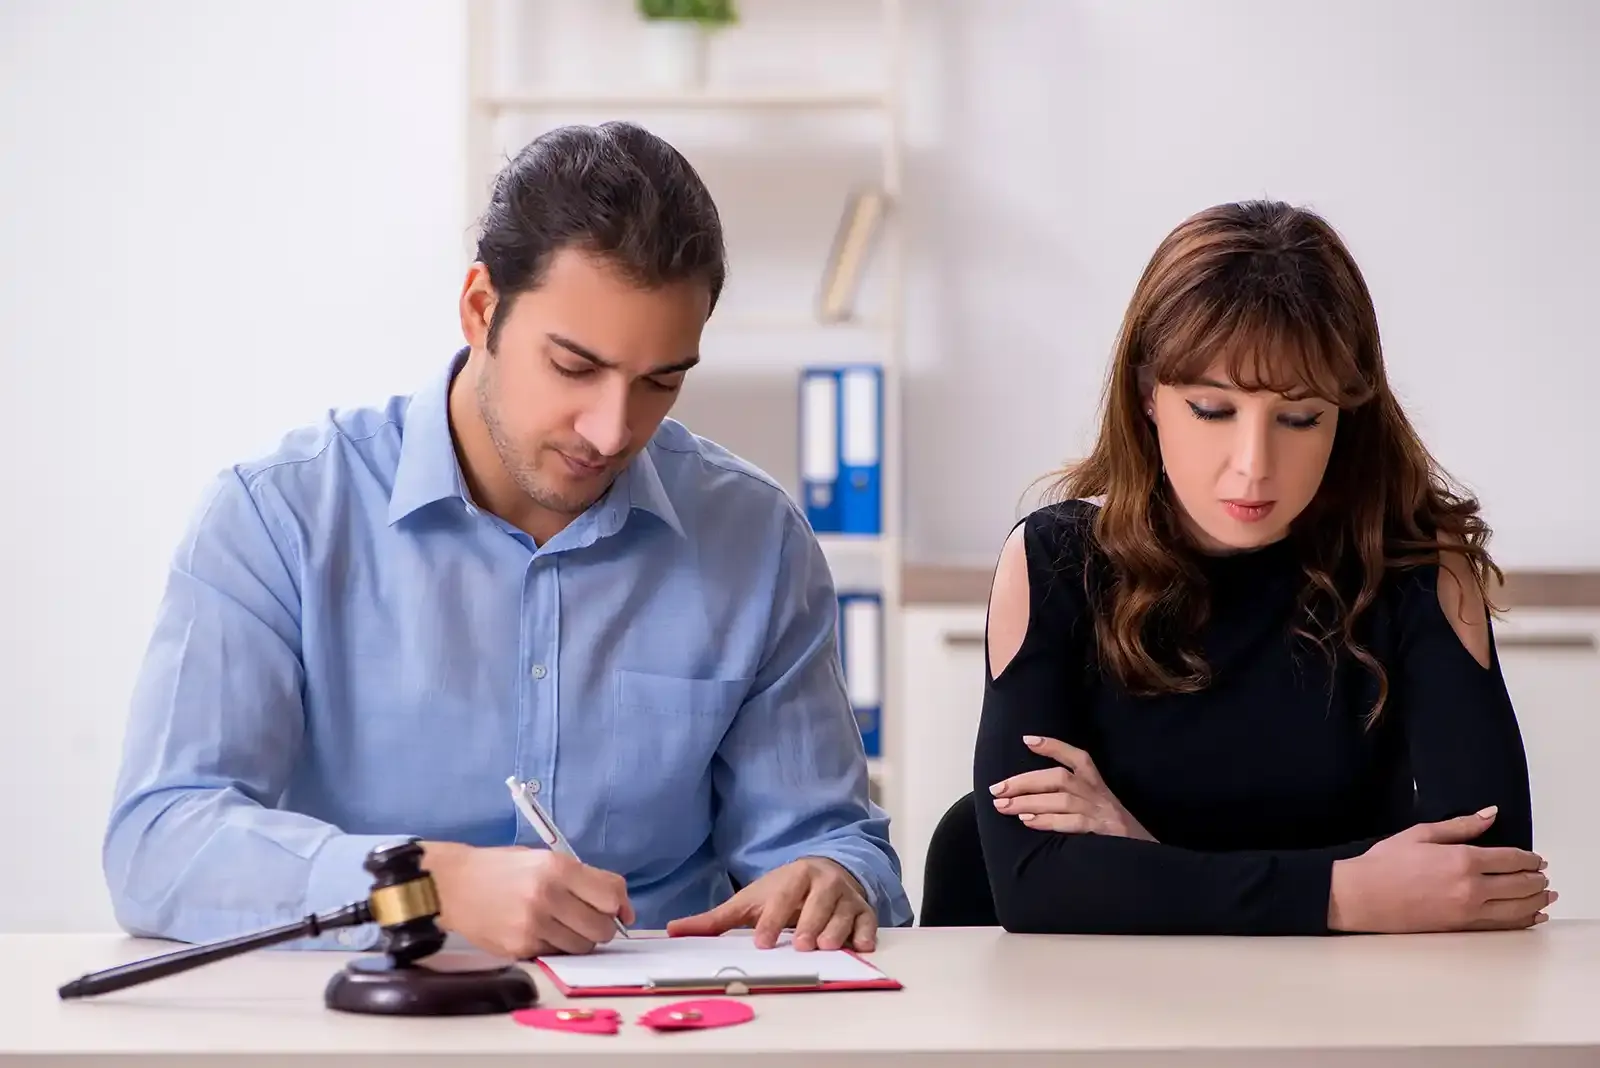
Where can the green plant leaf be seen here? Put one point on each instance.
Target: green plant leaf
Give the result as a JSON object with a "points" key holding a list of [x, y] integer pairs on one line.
{"points": [[709, 12]]}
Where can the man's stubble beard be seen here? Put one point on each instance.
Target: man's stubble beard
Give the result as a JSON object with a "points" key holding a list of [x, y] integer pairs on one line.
{"points": [[521, 467]]}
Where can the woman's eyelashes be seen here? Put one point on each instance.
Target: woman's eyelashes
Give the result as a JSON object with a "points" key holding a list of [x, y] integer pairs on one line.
{"points": [[1296, 422], [1208, 414]]}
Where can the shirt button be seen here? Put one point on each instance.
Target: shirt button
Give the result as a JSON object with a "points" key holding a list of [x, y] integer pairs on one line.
{"points": [[539, 671]]}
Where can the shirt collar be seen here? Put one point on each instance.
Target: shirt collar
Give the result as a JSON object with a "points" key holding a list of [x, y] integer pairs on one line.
{"points": [[428, 470], [645, 490]]}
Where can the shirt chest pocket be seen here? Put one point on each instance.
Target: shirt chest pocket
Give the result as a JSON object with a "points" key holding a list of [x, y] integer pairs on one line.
{"points": [[665, 731]]}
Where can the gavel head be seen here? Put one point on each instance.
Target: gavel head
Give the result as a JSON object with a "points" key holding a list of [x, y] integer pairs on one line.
{"points": [[404, 902]]}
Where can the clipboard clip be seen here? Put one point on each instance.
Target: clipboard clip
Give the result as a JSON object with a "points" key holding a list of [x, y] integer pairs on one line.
{"points": [[734, 984]]}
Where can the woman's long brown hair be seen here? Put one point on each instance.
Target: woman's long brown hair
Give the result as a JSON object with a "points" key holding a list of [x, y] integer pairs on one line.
{"points": [[1272, 291]]}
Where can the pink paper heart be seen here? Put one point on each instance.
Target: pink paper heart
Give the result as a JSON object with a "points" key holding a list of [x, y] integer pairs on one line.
{"points": [[706, 1012], [577, 1021]]}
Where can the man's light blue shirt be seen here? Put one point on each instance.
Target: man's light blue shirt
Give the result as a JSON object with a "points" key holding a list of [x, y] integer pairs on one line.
{"points": [[349, 652]]}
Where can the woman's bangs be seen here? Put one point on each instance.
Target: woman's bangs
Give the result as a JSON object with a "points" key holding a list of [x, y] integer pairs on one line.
{"points": [[1261, 347]]}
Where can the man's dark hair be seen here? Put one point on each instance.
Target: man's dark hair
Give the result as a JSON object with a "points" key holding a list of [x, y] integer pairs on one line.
{"points": [[614, 190]]}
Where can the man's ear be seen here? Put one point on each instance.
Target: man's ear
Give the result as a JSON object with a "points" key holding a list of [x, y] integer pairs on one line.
{"points": [[478, 300]]}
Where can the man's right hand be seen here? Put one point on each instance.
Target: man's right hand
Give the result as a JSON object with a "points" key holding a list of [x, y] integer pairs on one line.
{"points": [[1428, 878], [517, 902]]}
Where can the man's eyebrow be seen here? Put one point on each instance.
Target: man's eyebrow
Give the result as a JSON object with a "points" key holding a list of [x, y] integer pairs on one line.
{"points": [[578, 350], [600, 361]]}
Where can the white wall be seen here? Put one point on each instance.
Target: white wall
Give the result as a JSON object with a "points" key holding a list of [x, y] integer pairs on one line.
{"points": [[1455, 144], [222, 218]]}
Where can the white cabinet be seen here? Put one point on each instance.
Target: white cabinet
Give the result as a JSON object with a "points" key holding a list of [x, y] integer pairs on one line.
{"points": [[941, 695], [1551, 662]]}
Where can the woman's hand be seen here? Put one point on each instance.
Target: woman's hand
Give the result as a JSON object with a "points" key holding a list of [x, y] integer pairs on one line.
{"points": [[1070, 799], [1431, 878]]}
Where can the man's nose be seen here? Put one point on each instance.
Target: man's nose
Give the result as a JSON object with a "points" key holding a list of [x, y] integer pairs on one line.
{"points": [[604, 424]]}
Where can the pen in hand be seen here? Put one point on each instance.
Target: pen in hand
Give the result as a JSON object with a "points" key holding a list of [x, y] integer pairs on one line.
{"points": [[546, 827]]}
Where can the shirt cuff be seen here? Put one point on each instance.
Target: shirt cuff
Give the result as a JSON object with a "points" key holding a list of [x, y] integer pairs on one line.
{"points": [[338, 879], [898, 912], [1302, 888]]}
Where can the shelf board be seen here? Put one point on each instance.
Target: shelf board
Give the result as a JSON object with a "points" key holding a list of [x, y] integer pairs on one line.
{"points": [[686, 100], [779, 323]]}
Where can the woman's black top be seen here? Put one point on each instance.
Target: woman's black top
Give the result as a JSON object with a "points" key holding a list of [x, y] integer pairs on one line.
{"points": [[1254, 786]]}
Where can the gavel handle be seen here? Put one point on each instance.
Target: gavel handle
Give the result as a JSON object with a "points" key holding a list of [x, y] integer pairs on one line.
{"points": [[182, 960]]}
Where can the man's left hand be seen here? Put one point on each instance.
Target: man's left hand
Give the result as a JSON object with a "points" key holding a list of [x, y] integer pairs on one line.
{"points": [[815, 896]]}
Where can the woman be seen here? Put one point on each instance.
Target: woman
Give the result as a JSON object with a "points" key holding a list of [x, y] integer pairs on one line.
{"points": [[1254, 689]]}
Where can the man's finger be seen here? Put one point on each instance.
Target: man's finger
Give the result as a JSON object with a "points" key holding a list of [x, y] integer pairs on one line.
{"points": [[815, 913], [603, 891], [1063, 823], [840, 928], [732, 913], [554, 930], [578, 915], [1058, 802], [866, 935], [1071, 756], [779, 910]]}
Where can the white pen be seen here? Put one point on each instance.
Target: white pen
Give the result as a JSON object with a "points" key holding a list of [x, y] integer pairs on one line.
{"points": [[535, 814]]}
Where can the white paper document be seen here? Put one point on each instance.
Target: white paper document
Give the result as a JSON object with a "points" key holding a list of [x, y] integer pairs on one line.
{"points": [[636, 962]]}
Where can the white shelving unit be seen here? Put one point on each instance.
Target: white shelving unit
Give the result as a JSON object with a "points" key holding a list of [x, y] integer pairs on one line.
{"points": [[879, 558], [680, 100]]}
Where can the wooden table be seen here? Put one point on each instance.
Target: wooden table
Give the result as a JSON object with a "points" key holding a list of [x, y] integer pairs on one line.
{"points": [[973, 997]]}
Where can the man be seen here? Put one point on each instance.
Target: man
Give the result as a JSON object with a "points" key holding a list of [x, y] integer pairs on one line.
{"points": [[527, 570]]}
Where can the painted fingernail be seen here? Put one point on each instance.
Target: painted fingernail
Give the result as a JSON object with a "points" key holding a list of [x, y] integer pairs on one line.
{"points": [[1031, 739], [1543, 864], [1550, 897], [1001, 802], [1488, 812], [1539, 917], [1026, 817], [996, 788]]}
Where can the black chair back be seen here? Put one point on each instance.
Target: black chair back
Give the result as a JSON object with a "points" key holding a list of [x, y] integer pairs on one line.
{"points": [[955, 887]]}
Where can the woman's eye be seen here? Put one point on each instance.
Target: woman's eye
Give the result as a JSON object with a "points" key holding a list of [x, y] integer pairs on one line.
{"points": [[1302, 422], [1208, 414]]}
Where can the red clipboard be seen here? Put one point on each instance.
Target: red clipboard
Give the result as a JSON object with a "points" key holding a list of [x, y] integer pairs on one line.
{"points": [[732, 981]]}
